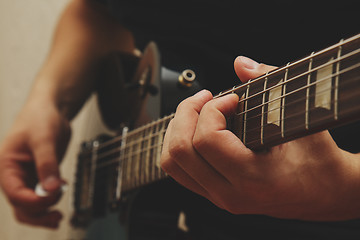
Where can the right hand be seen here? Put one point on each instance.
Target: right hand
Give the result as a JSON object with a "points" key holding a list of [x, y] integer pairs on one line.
{"points": [[31, 153]]}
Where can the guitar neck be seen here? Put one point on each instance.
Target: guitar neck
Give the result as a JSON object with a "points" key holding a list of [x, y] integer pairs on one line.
{"points": [[315, 93]]}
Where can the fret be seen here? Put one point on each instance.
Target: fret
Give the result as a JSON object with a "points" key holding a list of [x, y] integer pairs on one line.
{"points": [[336, 88], [154, 151], [308, 94], [349, 83], [121, 163], [263, 111], [142, 144], [245, 113], [136, 158], [153, 145], [145, 153], [283, 102], [254, 112]]}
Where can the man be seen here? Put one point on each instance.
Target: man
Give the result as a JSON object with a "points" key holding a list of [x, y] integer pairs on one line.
{"points": [[282, 183]]}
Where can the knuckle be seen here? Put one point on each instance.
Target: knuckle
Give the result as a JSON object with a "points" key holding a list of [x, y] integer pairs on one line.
{"points": [[178, 148], [208, 106], [167, 165], [182, 105]]}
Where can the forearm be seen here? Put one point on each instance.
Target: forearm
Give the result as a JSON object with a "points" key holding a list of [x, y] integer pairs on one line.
{"points": [[84, 35]]}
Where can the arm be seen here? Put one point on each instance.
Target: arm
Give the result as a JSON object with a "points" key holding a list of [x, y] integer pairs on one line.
{"points": [[37, 141], [308, 179]]}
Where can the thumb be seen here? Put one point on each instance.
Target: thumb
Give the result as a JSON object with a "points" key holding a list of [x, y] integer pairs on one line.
{"points": [[247, 68], [47, 166]]}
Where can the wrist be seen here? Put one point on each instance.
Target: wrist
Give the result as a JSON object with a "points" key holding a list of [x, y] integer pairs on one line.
{"points": [[56, 94]]}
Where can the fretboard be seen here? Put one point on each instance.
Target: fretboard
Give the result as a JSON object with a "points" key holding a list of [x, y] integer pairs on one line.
{"points": [[303, 97], [315, 93]]}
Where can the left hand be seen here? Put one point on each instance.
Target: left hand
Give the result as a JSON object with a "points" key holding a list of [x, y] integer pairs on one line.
{"points": [[308, 178]]}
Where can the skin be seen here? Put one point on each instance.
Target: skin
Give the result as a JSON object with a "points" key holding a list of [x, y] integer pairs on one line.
{"points": [[35, 144], [308, 179]]}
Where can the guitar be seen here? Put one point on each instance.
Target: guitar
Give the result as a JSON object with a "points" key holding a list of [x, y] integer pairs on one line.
{"points": [[315, 93]]}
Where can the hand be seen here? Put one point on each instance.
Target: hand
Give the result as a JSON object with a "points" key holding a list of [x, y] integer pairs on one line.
{"points": [[309, 178], [31, 153]]}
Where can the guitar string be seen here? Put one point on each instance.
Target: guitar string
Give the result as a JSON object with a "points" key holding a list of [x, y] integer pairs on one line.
{"points": [[270, 74], [290, 65], [138, 140], [139, 151], [318, 121], [141, 138], [118, 139], [135, 177], [349, 96], [134, 154], [298, 99], [256, 94], [133, 172], [303, 88], [306, 73], [288, 105]]}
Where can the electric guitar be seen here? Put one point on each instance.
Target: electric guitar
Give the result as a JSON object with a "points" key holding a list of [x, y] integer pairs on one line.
{"points": [[315, 93]]}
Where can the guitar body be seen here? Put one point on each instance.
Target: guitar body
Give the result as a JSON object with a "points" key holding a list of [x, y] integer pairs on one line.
{"points": [[133, 92]]}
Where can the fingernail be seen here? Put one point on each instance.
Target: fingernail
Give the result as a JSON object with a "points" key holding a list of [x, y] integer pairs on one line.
{"points": [[248, 63], [201, 93], [51, 183]]}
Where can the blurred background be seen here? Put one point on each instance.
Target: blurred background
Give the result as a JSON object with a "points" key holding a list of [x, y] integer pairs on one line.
{"points": [[26, 29]]}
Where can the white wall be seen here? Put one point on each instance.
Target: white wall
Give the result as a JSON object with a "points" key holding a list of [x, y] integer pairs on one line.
{"points": [[26, 29]]}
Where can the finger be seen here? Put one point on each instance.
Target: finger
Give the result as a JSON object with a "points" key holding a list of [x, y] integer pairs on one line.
{"points": [[17, 191], [181, 150], [247, 68], [220, 147], [47, 166], [175, 171], [47, 219], [18, 177]]}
